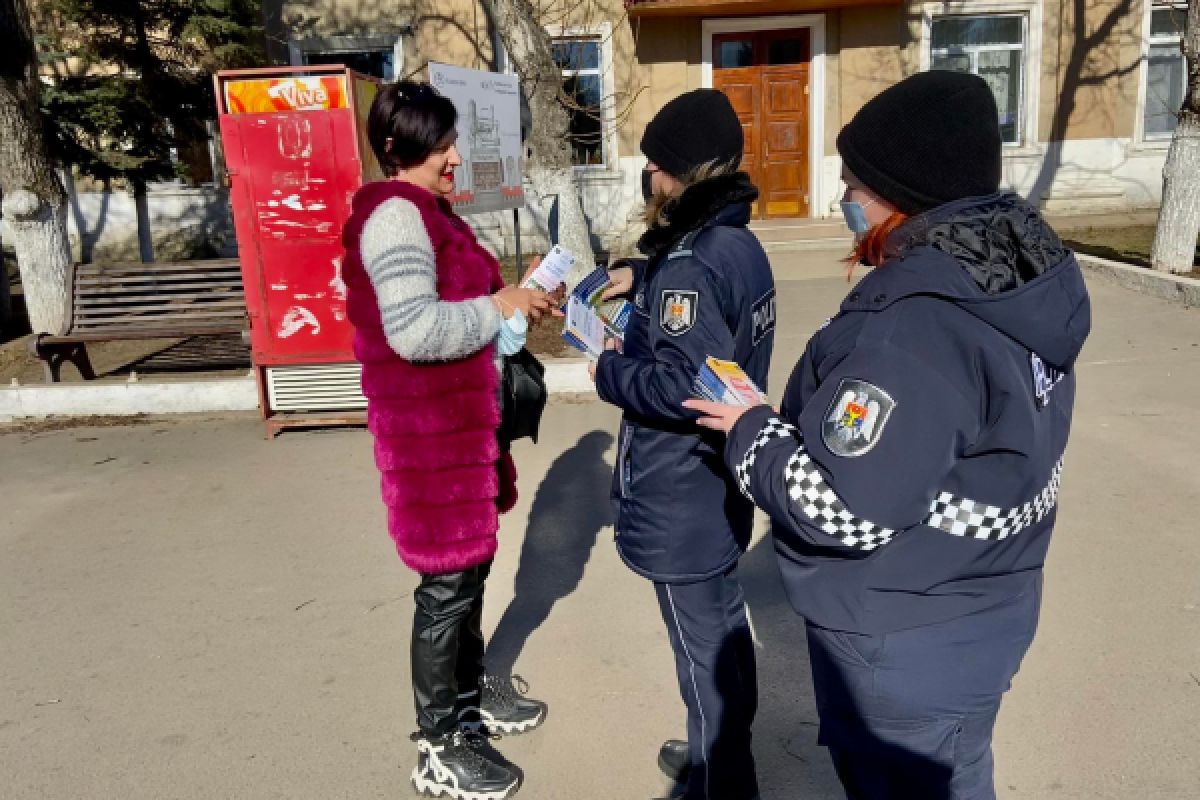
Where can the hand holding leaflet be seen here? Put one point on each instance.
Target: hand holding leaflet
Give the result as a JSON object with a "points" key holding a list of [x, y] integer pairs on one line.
{"points": [[552, 271], [726, 393], [591, 319], [725, 382]]}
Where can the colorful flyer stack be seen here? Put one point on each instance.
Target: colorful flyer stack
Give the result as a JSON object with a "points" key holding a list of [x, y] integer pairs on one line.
{"points": [[725, 382], [583, 329], [614, 313], [591, 319]]}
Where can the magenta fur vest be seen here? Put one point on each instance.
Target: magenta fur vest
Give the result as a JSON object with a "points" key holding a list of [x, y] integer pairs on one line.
{"points": [[434, 422]]}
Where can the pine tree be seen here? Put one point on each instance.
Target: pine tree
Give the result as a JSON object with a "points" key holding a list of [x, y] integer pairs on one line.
{"points": [[134, 81]]}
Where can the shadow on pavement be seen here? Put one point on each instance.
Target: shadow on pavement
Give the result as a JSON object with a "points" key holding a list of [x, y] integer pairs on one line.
{"points": [[570, 509], [790, 763]]}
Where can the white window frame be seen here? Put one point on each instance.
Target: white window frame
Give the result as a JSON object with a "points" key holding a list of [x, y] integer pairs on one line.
{"points": [[1154, 140], [602, 35], [1030, 12], [298, 49]]}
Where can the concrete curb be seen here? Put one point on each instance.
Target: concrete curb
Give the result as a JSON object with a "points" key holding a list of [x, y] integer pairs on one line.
{"points": [[840, 243], [129, 399], [564, 376], [1162, 285], [568, 376]]}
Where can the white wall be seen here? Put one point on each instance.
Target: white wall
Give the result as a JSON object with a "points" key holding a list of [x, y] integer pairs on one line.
{"points": [[1090, 175], [184, 223]]}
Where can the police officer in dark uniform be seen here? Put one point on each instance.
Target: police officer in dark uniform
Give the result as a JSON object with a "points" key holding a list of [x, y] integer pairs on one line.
{"points": [[704, 289], [912, 475]]}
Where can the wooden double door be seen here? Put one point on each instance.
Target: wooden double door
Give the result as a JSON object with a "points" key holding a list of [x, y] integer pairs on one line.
{"points": [[765, 74]]}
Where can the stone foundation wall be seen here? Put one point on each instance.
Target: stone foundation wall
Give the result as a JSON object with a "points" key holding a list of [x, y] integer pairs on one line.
{"points": [[184, 223]]}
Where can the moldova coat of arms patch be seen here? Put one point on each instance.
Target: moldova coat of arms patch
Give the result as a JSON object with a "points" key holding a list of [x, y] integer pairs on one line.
{"points": [[856, 418], [678, 311]]}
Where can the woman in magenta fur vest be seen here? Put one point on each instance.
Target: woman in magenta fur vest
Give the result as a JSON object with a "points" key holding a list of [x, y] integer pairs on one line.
{"points": [[432, 318]]}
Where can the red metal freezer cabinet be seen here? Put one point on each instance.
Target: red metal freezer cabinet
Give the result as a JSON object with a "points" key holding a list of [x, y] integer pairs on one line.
{"points": [[296, 150]]}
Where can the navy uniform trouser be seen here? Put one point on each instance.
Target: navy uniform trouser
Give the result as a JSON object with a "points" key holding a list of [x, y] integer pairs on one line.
{"points": [[714, 659], [910, 714]]}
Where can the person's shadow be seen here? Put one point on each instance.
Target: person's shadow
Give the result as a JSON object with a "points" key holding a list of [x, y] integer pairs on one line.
{"points": [[790, 763], [571, 507]]}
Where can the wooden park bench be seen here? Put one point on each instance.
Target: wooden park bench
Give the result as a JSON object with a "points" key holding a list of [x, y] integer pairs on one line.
{"points": [[143, 301]]}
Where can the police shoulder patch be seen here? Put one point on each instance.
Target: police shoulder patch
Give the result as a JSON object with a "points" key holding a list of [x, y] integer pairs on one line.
{"points": [[856, 418], [678, 314], [1045, 378]]}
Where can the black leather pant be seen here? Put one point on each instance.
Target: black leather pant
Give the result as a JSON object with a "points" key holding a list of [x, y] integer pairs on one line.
{"points": [[447, 645]]}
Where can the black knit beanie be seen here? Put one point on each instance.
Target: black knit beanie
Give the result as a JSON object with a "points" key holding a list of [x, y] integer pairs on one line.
{"points": [[693, 129], [932, 138]]}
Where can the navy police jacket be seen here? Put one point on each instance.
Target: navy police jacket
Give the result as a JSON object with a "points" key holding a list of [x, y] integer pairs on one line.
{"points": [[913, 473], [680, 516]]}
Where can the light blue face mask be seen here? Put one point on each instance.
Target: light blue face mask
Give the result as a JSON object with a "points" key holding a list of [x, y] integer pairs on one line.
{"points": [[512, 334], [856, 217]]}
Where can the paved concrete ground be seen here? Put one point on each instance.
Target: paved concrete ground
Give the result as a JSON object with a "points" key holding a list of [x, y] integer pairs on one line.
{"points": [[188, 611]]}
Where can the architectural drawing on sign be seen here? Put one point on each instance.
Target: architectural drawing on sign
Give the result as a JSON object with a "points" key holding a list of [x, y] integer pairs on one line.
{"points": [[485, 168]]}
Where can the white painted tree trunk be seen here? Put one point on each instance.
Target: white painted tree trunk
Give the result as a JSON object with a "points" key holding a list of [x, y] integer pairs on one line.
{"points": [[39, 237], [558, 187], [550, 170], [35, 205], [1179, 220]]}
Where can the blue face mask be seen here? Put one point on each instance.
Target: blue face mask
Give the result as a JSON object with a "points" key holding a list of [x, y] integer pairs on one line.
{"points": [[856, 217], [512, 334]]}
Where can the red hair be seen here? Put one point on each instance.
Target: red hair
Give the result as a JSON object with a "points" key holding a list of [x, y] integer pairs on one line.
{"points": [[872, 247]]}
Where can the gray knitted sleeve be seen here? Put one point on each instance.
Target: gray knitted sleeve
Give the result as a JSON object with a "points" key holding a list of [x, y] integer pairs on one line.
{"points": [[400, 261]]}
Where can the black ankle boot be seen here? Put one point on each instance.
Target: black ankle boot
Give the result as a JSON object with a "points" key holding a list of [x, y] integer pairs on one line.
{"points": [[501, 708], [675, 760]]}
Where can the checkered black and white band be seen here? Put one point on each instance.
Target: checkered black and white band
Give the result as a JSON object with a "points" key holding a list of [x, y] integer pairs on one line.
{"points": [[819, 503], [974, 520], [808, 489]]}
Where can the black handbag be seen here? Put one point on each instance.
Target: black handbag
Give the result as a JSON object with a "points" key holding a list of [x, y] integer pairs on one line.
{"points": [[523, 398]]}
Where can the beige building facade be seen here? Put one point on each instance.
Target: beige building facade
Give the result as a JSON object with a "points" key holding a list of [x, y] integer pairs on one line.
{"points": [[1086, 89]]}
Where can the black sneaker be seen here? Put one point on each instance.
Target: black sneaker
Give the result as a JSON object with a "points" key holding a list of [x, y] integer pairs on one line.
{"points": [[449, 765], [500, 707]]}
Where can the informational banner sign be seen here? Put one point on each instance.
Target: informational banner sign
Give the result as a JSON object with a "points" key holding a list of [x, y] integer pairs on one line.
{"points": [[489, 137]]}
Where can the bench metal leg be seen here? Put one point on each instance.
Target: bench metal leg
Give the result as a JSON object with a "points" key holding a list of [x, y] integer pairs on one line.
{"points": [[54, 354]]}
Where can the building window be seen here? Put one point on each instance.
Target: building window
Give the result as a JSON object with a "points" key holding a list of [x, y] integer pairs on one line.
{"points": [[581, 60], [992, 47], [1166, 72], [376, 54], [378, 63]]}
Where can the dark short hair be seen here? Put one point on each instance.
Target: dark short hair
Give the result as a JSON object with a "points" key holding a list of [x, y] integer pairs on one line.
{"points": [[417, 119]]}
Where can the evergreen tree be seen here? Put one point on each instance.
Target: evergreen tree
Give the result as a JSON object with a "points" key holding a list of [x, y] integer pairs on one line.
{"points": [[134, 79]]}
